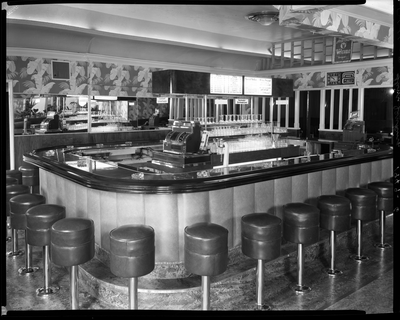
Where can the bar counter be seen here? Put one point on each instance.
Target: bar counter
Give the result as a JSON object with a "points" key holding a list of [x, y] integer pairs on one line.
{"points": [[113, 196]]}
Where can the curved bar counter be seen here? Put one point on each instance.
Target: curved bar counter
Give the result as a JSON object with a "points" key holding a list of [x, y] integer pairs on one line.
{"points": [[113, 195]]}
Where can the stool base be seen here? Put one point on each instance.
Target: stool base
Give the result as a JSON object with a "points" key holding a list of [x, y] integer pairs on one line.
{"points": [[263, 307], [47, 291], [301, 289], [13, 254], [24, 271], [332, 272], [382, 245], [359, 258]]}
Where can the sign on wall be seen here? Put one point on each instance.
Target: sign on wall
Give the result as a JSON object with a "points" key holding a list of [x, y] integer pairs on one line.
{"points": [[340, 78], [343, 49]]}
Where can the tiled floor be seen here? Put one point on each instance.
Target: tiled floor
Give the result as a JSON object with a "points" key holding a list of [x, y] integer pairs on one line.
{"points": [[366, 286]]}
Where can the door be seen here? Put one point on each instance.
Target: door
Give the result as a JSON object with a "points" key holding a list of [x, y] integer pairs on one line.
{"points": [[309, 114]]}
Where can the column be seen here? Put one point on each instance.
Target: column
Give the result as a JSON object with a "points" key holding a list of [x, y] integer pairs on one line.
{"points": [[322, 110], [297, 109]]}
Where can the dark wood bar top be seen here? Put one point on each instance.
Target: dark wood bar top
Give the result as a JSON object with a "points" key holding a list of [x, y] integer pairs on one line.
{"points": [[131, 179]]}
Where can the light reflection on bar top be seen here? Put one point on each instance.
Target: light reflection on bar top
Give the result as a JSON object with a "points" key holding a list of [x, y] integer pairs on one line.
{"points": [[98, 163]]}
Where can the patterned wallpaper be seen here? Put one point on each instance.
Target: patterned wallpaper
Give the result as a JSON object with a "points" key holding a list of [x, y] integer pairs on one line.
{"points": [[334, 23], [33, 76], [376, 76]]}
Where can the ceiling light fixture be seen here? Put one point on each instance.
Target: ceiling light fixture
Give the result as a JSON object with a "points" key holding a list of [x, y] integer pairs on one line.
{"points": [[264, 18]]}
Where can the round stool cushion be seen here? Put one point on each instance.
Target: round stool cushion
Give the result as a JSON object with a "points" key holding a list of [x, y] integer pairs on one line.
{"points": [[301, 223], [206, 249], [132, 251], [10, 180], [39, 220], [12, 191], [384, 190], [14, 174], [335, 212], [18, 207], [72, 241], [363, 203], [261, 236], [30, 175]]}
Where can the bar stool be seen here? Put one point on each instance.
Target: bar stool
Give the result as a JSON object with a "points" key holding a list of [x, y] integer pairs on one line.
{"points": [[30, 176], [363, 208], [11, 192], [261, 240], [9, 181], [72, 243], [301, 226], [384, 190], [335, 216], [39, 220], [206, 254], [132, 255], [14, 174]]}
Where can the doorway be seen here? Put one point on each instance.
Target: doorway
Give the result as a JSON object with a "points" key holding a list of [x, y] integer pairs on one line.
{"points": [[309, 114]]}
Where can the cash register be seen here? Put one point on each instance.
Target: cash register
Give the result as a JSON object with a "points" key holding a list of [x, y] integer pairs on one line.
{"points": [[182, 149]]}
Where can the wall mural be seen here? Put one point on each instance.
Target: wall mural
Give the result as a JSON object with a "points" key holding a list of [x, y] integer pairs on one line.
{"points": [[32, 76], [337, 24], [381, 76]]}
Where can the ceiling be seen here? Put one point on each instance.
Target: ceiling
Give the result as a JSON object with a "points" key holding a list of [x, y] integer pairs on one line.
{"points": [[216, 27]]}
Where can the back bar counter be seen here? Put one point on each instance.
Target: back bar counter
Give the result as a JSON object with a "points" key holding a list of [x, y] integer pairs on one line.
{"points": [[115, 193]]}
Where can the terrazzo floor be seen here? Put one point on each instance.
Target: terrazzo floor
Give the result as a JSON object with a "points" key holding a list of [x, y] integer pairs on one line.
{"points": [[365, 287]]}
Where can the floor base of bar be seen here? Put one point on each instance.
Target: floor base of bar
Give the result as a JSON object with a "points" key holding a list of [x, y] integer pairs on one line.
{"points": [[366, 286]]}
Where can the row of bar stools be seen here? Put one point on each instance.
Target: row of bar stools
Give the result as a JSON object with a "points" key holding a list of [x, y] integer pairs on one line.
{"points": [[261, 240], [30, 176], [335, 216], [72, 243], [132, 255], [301, 226], [39, 220], [19, 205], [363, 208], [206, 254], [12, 191], [384, 191]]}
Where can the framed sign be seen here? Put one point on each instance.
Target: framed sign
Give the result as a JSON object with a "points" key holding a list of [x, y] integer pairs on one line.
{"points": [[340, 78], [226, 84], [343, 49], [257, 86]]}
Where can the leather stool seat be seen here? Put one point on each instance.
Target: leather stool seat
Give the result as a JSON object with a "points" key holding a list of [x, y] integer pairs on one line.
{"points": [[10, 180], [384, 190], [301, 223], [39, 220], [132, 251], [14, 174], [335, 212], [261, 236], [12, 191], [363, 203], [18, 207], [206, 249], [30, 175], [72, 241]]}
